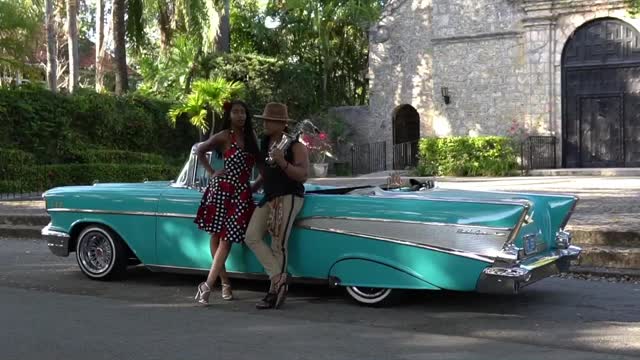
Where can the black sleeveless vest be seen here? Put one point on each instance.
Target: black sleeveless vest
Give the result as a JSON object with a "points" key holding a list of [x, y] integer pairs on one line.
{"points": [[276, 183]]}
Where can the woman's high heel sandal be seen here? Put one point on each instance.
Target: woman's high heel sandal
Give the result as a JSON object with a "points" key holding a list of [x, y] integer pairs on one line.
{"points": [[226, 292], [202, 296]]}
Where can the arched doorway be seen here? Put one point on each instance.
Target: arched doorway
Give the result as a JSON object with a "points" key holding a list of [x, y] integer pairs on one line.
{"points": [[406, 134], [601, 95]]}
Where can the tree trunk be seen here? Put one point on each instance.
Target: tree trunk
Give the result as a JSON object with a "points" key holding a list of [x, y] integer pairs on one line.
{"points": [[224, 40], [120, 50], [72, 34], [164, 23], [99, 45], [52, 47], [192, 71]]}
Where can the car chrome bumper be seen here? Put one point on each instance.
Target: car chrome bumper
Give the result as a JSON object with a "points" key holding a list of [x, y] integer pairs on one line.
{"points": [[57, 241], [510, 279]]}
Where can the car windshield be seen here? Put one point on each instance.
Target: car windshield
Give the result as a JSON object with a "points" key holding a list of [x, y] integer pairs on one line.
{"points": [[193, 173]]}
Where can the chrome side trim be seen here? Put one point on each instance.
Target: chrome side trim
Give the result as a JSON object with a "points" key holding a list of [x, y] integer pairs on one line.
{"points": [[110, 212], [408, 195], [352, 218], [523, 217], [486, 259], [176, 215], [117, 212]]}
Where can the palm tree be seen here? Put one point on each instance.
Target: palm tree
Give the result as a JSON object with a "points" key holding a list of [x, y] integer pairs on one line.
{"points": [[120, 50], [100, 47], [205, 102], [52, 47], [224, 41], [72, 34]]}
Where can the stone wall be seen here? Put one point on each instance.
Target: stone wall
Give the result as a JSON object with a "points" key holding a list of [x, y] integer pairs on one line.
{"points": [[454, 18], [500, 59], [400, 59]]}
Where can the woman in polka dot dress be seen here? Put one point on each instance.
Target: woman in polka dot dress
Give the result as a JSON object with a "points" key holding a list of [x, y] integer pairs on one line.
{"points": [[227, 203]]}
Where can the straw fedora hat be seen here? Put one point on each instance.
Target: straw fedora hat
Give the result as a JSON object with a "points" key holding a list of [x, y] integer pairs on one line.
{"points": [[275, 112]]}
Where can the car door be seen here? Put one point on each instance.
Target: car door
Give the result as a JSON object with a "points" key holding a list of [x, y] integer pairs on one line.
{"points": [[180, 243]]}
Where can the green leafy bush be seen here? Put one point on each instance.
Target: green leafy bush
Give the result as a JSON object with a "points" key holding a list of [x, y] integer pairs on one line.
{"points": [[119, 157], [56, 127], [43, 177], [467, 156]]}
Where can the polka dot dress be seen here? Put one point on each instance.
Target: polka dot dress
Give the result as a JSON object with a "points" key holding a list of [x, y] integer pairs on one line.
{"points": [[227, 202]]}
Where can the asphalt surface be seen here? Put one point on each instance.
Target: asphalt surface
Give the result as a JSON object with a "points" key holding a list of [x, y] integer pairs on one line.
{"points": [[49, 310]]}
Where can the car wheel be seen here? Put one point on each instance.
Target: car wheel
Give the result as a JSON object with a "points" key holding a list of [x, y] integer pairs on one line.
{"points": [[101, 255], [370, 296]]}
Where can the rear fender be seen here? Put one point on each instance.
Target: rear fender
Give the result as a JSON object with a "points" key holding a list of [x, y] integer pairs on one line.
{"points": [[368, 272]]}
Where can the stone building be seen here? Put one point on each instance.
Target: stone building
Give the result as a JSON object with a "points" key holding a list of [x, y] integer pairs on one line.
{"points": [[563, 68]]}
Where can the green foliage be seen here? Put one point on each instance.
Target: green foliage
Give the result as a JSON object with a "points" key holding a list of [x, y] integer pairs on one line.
{"points": [[119, 157], [633, 7], [332, 37], [467, 156], [267, 79], [165, 75], [55, 127], [206, 96], [43, 177], [316, 58], [19, 25]]}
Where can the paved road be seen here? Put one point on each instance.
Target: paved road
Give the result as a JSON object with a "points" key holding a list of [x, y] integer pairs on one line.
{"points": [[48, 310]]}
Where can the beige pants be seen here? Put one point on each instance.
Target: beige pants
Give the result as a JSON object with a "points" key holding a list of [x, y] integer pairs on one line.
{"points": [[275, 217]]}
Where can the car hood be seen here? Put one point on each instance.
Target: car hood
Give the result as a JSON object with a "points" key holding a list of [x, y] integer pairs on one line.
{"points": [[149, 187]]}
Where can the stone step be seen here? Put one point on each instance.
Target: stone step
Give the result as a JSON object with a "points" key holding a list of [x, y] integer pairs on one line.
{"points": [[24, 219], [20, 231], [606, 272], [586, 172], [609, 257], [629, 239]]}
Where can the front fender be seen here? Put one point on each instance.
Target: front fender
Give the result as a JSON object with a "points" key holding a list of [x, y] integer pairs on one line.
{"points": [[365, 272]]}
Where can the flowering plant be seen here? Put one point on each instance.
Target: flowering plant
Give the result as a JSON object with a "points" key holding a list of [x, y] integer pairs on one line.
{"points": [[517, 132], [318, 145]]}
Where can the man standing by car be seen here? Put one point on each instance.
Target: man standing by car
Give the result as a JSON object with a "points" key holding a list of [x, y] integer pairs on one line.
{"points": [[283, 184]]}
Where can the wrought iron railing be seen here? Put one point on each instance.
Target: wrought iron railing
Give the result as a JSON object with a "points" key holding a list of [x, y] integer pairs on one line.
{"points": [[368, 158], [22, 182], [405, 155], [539, 152]]}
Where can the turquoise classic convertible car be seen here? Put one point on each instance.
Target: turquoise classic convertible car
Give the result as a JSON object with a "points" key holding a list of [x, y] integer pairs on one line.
{"points": [[372, 240]]}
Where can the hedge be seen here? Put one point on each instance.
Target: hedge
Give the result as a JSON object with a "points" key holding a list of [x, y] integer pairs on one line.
{"points": [[119, 157], [57, 127], [43, 177], [467, 156]]}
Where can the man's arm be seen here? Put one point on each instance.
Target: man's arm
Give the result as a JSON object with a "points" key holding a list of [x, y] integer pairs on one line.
{"points": [[298, 169]]}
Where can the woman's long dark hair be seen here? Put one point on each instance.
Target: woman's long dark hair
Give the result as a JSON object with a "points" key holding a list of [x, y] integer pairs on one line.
{"points": [[250, 142]]}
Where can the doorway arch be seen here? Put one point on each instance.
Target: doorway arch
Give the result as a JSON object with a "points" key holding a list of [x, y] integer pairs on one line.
{"points": [[406, 135], [601, 95]]}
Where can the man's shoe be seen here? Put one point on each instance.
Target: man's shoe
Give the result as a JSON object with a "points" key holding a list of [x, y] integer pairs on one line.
{"points": [[282, 290], [268, 302]]}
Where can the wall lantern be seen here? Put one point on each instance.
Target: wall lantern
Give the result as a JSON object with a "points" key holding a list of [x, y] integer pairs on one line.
{"points": [[445, 95]]}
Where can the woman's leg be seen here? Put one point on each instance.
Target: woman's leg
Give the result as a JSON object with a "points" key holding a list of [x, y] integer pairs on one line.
{"points": [[215, 240], [219, 259]]}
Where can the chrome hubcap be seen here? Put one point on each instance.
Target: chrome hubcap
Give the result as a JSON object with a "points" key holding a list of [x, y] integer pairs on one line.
{"points": [[369, 293], [96, 252]]}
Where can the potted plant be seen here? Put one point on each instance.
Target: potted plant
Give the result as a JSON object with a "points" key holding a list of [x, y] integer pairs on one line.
{"points": [[319, 148]]}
